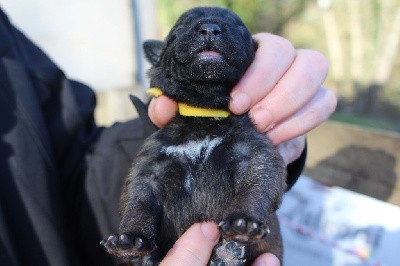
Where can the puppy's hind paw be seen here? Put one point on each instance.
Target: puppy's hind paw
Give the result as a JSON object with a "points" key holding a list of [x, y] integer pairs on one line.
{"points": [[242, 230], [127, 246]]}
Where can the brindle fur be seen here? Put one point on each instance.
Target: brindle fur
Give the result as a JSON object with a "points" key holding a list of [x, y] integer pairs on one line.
{"points": [[202, 169]]}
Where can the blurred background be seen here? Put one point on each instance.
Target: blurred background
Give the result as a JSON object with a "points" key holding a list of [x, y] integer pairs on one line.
{"points": [[98, 42], [359, 37]]}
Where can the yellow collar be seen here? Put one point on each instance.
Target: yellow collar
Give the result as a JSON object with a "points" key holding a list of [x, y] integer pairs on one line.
{"points": [[188, 110]]}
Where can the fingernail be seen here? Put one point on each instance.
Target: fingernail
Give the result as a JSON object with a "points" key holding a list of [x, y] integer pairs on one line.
{"points": [[210, 231], [262, 118], [267, 260], [240, 103]]}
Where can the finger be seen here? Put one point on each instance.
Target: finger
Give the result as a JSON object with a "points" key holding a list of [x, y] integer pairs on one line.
{"points": [[161, 110], [194, 247], [313, 114], [266, 259], [295, 89], [273, 57]]}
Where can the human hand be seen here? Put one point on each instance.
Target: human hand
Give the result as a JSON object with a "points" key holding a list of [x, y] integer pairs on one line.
{"points": [[282, 92], [195, 246]]}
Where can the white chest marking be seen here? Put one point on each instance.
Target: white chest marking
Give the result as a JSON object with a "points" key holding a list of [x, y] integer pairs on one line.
{"points": [[193, 149]]}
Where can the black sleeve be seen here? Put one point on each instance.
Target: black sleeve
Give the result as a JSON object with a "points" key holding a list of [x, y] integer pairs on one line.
{"points": [[108, 166], [46, 132]]}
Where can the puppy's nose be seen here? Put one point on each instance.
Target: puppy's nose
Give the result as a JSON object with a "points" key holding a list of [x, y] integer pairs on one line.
{"points": [[209, 29]]}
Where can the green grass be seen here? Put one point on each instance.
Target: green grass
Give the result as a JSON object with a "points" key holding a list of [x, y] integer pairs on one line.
{"points": [[369, 122]]}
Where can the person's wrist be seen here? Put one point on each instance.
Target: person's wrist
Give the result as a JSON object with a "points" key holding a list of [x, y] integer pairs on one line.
{"points": [[292, 149]]}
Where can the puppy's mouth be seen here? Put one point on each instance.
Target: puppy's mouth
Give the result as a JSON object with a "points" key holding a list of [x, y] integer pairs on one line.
{"points": [[210, 55]]}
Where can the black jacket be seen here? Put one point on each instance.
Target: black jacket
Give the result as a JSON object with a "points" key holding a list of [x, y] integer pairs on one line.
{"points": [[60, 174]]}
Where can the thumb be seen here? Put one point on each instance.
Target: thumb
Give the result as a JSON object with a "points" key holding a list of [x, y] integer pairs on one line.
{"points": [[266, 259], [194, 247], [161, 110]]}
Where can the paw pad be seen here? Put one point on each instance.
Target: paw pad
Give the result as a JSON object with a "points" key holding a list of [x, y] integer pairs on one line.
{"points": [[126, 245], [228, 253], [242, 230]]}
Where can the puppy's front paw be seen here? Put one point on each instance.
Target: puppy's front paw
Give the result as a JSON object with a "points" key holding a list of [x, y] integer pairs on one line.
{"points": [[242, 230], [127, 246]]}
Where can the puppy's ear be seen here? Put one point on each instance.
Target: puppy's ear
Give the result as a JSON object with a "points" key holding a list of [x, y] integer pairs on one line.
{"points": [[152, 50]]}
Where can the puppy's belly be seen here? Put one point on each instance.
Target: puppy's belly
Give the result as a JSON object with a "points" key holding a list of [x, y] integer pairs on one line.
{"points": [[201, 192], [203, 203]]}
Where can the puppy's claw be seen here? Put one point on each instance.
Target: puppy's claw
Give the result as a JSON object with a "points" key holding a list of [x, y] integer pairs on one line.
{"points": [[139, 243], [125, 241], [112, 240], [239, 226], [224, 226], [253, 229]]}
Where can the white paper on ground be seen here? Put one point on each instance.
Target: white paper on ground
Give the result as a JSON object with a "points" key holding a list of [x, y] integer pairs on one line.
{"points": [[333, 226]]}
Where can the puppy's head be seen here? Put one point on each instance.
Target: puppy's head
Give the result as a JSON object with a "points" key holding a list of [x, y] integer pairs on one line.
{"points": [[206, 53]]}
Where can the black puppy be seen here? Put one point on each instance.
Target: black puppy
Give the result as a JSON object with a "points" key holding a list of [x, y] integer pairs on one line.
{"points": [[206, 164]]}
